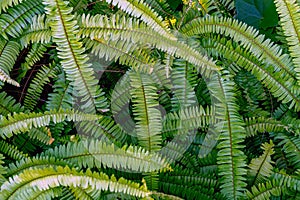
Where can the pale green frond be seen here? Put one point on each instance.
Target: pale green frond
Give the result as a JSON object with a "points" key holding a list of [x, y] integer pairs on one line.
{"points": [[17, 18], [49, 177], [95, 153], [9, 105], [74, 62], [5, 4], [290, 21], [36, 87], [101, 27], [261, 167], [264, 49], [139, 9], [230, 159], [145, 110], [5, 78], [3, 170], [22, 122], [34, 55], [38, 32]]}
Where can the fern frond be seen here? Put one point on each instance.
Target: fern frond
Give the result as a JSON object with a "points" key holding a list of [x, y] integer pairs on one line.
{"points": [[71, 51], [62, 96], [138, 33], [277, 81], [291, 147], [95, 153], [34, 55], [262, 125], [141, 10], [11, 151], [247, 36], [19, 17], [5, 78], [8, 55], [48, 177], [4, 4], [9, 105], [145, 110], [290, 21], [3, 170], [261, 168], [230, 158], [41, 134], [265, 190], [36, 87], [38, 32], [22, 122]]}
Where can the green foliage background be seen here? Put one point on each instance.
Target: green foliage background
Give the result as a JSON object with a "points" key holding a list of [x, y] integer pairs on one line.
{"points": [[152, 99]]}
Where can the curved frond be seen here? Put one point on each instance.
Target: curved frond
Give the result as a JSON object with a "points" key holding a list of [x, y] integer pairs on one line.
{"points": [[4, 4], [8, 55], [291, 147], [71, 51], [9, 105], [290, 21], [265, 190], [11, 151], [140, 10], [17, 18], [22, 122], [48, 177]]}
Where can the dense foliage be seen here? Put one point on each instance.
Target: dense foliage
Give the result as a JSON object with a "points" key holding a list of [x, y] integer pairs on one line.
{"points": [[154, 99]]}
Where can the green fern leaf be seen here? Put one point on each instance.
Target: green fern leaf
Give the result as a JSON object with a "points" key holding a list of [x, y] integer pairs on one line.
{"points": [[265, 190], [19, 17], [45, 178], [8, 55], [5, 78], [290, 21], [11, 151], [21, 122], [261, 168], [4, 4], [71, 51], [8, 105]]}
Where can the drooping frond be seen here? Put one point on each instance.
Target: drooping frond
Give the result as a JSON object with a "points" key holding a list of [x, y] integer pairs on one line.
{"points": [[138, 33], [140, 10], [230, 158], [11, 151], [146, 112], [17, 18], [8, 105], [290, 21], [264, 49], [21, 122], [37, 85], [5, 78], [261, 167], [49, 177], [71, 51], [277, 81]]}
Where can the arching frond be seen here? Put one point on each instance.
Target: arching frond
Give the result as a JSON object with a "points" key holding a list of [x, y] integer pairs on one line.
{"points": [[48, 177], [290, 21], [17, 18], [71, 51], [8, 55], [291, 147], [140, 10], [22, 122], [265, 190], [4, 4]]}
